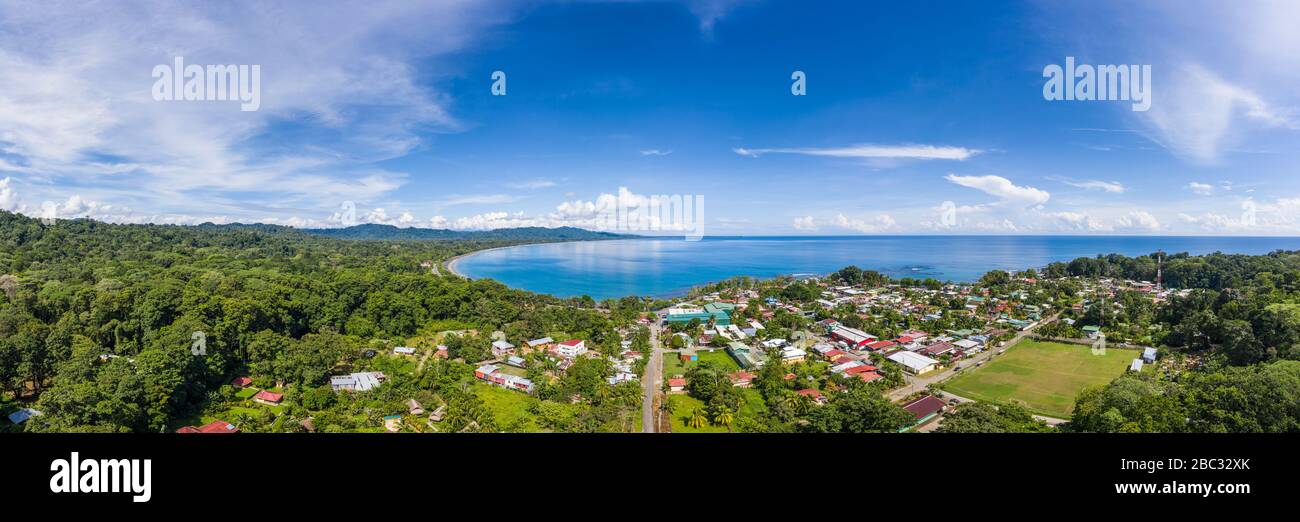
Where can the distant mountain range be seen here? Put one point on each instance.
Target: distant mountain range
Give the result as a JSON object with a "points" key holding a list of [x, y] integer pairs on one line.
{"points": [[392, 233]]}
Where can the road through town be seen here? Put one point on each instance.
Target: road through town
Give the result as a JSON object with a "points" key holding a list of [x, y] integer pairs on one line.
{"points": [[651, 379]]}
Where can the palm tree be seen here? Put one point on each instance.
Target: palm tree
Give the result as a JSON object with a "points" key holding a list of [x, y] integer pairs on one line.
{"points": [[724, 417], [803, 404], [790, 401], [697, 419]]}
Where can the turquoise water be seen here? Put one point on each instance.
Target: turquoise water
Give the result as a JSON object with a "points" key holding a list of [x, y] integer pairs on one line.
{"points": [[667, 267]]}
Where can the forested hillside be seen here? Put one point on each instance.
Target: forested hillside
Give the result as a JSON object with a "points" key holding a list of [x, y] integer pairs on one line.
{"points": [[1233, 344], [97, 320]]}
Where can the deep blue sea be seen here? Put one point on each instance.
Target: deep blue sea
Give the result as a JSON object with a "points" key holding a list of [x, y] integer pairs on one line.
{"points": [[668, 267]]}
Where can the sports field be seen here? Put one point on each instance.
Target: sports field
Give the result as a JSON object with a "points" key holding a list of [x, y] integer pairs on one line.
{"points": [[1044, 376]]}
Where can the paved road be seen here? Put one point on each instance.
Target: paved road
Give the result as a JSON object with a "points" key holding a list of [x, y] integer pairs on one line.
{"points": [[918, 384], [652, 380]]}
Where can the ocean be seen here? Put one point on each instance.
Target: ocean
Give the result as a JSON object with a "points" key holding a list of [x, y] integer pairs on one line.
{"points": [[671, 267]]}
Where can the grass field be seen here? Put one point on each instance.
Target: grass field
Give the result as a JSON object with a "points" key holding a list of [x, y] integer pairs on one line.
{"points": [[508, 406], [684, 405], [673, 365], [1044, 376]]}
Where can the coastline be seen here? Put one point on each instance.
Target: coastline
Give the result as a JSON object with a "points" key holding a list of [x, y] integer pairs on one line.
{"points": [[450, 264]]}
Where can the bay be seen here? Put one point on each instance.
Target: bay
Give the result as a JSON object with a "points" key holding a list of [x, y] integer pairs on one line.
{"points": [[669, 267]]}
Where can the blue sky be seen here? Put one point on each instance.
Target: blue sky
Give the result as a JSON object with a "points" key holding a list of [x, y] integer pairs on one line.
{"points": [[389, 107]]}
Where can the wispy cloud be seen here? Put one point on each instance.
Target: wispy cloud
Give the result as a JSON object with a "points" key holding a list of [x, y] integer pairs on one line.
{"points": [[478, 199], [531, 185], [710, 11], [1196, 118], [868, 151], [76, 108], [1113, 187], [655, 152], [1003, 189], [1203, 189]]}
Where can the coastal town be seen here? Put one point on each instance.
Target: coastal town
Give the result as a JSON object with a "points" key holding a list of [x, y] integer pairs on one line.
{"points": [[709, 361]]}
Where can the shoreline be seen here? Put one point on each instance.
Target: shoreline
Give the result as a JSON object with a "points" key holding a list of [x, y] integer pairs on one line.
{"points": [[450, 264]]}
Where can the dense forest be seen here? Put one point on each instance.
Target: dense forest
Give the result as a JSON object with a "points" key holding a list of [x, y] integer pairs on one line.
{"points": [[1233, 342], [97, 321]]}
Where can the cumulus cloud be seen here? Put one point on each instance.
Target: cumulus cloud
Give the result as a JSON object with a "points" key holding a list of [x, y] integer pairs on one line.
{"points": [[805, 223], [870, 225], [1203, 189], [868, 151], [9, 197], [1138, 221]]}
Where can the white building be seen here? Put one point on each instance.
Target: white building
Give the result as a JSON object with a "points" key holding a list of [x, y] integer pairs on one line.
{"points": [[571, 348], [913, 362], [360, 381]]}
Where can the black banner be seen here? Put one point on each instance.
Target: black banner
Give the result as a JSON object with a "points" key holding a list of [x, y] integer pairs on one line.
{"points": [[1028, 470]]}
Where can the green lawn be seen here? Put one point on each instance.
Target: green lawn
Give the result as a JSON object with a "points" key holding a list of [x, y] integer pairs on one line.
{"points": [[721, 357], [1044, 376], [508, 406], [673, 365], [246, 393], [683, 405]]}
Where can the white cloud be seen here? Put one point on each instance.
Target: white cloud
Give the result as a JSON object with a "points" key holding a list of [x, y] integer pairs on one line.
{"points": [[655, 152], [805, 223], [868, 151], [1113, 187], [1138, 221], [878, 223], [531, 185], [1196, 114], [478, 199], [1003, 189], [9, 197], [76, 98], [710, 11], [1203, 189]]}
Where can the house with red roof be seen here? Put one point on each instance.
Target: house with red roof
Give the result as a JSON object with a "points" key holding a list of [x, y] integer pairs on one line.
{"points": [[571, 348], [816, 396], [268, 397], [924, 408], [741, 379], [868, 376], [860, 369], [676, 385], [938, 349], [881, 345], [242, 382], [211, 427]]}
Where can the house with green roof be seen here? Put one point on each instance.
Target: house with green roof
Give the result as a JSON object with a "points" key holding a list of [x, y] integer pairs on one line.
{"points": [[746, 356]]}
